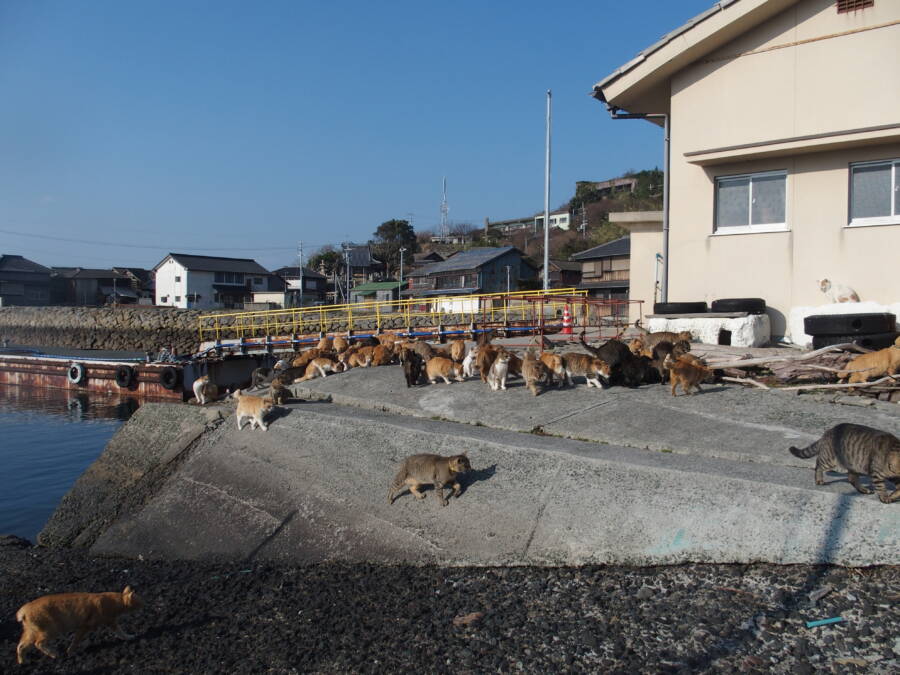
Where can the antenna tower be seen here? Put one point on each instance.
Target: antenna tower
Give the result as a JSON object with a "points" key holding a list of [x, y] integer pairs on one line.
{"points": [[444, 210]]}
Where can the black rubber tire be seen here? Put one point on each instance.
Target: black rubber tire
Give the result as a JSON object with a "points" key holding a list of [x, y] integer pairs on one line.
{"points": [[124, 376], [749, 305], [75, 373], [874, 341], [679, 307], [849, 324], [169, 377]]}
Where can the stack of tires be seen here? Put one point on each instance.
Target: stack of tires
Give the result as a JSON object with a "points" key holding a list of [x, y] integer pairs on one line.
{"points": [[873, 331], [749, 305]]}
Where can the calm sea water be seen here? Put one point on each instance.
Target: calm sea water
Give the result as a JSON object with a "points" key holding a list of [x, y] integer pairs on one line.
{"points": [[48, 437]]}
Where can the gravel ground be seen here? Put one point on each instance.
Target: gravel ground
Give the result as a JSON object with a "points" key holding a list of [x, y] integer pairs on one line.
{"points": [[215, 618]]}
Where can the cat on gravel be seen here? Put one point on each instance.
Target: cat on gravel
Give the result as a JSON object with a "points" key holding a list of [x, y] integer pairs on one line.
{"points": [[51, 616]]}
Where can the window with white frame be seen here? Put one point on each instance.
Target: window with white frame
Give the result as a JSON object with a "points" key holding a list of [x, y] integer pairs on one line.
{"points": [[751, 202], [875, 193]]}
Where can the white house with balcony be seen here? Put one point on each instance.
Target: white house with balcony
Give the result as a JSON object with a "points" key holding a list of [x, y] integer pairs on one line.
{"points": [[207, 282]]}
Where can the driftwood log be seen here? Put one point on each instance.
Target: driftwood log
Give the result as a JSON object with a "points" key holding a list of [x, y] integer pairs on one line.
{"points": [[806, 371]]}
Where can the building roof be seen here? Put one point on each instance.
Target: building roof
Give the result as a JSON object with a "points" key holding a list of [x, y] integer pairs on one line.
{"points": [[569, 265], [466, 260], [16, 263], [628, 86], [621, 246], [206, 263], [432, 256], [373, 286], [361, 256], [88, 273], [142, 274], [294, 273]]}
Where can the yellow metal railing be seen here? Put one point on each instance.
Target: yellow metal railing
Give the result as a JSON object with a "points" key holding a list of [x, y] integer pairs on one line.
{"points": [[491, 308]]}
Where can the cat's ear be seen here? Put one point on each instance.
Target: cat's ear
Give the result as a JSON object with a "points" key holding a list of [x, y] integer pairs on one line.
{"points": [[128, 590], [465, 453]]}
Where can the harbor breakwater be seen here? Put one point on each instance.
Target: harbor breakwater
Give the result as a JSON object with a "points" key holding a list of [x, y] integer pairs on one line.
{"points": [[151, 328], [110, 328]]}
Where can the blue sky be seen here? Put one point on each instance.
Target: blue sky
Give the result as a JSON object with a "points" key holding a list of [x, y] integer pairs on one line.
{"points": [[236, 128]]}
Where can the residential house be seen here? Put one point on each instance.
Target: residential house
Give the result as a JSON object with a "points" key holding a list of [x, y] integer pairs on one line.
{"points": [[273, 293], [141, 280], [784, 153], [363, 266], [375, 291], [208, 282], [90, 286], [314, 286], [605, 269], [562, 274], [607, 188], [456, 239], [474, 271], [560, 218], [506, 227], [420, 259], [23, 282]]}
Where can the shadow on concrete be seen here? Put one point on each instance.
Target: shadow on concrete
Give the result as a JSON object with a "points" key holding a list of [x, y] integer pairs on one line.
{"points": [[288, 518], [277, 413], [774, 609], [476, 476]]}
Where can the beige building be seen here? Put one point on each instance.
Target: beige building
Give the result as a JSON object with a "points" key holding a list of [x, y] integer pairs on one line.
{"points": [[785, 150]]}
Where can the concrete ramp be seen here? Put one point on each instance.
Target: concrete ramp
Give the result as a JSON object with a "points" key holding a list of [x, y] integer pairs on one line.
{"points": [[313, 488]]}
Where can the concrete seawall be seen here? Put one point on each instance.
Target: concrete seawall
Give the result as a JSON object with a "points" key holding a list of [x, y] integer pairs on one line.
{"points": [[150, 328], [182, 482], [108, 328]]}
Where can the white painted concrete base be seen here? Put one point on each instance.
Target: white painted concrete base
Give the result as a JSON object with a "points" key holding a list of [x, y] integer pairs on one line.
{"points": [[798, 314], [747, 331]]}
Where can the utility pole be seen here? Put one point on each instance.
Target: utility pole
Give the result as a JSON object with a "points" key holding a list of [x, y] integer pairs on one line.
{"points": [[402, 251], [547, 199], [300, 266], [507, 278], [347, 265], [583, 221]]}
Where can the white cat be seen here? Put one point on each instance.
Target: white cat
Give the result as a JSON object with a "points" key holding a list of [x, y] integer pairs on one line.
{"points": [[497, 377], [837, 292], [468, 363]]}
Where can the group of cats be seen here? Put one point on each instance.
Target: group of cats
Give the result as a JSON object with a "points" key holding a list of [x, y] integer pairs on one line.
{"points": [[654, 357]]}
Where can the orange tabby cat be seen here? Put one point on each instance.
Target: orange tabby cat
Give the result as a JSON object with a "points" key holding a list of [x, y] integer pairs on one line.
{"points": [[254, 407], [458, 350], [439, 366], [320, 367], [686, 372], [556, 366], [50, 616], [873, 364], [339, 344]]}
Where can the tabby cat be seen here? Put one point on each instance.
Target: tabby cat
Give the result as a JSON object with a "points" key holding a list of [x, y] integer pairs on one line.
{"points": [[860, 450]]}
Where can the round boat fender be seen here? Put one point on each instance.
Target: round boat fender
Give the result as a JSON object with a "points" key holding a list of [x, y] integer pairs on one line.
{"points": [[75, 373], [168, 378], [124, 376]]}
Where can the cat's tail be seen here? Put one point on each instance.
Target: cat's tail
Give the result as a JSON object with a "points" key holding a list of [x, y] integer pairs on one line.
{"points": [[807, 452]]}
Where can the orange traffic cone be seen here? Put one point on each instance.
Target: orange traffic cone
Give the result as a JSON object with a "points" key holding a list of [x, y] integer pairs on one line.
{"points": [[566, 321]]}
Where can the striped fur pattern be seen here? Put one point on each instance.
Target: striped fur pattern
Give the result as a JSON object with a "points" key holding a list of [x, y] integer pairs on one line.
{"points": [[861, 450], [428, 469]]}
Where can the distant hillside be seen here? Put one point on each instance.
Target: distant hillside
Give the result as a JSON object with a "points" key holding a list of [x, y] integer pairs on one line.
{"points": [[597, 204]]}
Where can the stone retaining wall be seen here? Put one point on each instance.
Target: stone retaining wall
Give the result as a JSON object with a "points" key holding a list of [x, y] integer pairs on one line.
{"points": [[150, 328], [123, 328]]}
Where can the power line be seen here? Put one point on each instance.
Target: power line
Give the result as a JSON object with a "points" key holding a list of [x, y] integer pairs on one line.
{"points": [[181, 246]]}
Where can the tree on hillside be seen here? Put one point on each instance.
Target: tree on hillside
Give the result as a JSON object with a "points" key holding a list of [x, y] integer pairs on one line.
{"points": [[328, 258], [390, 237]]}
